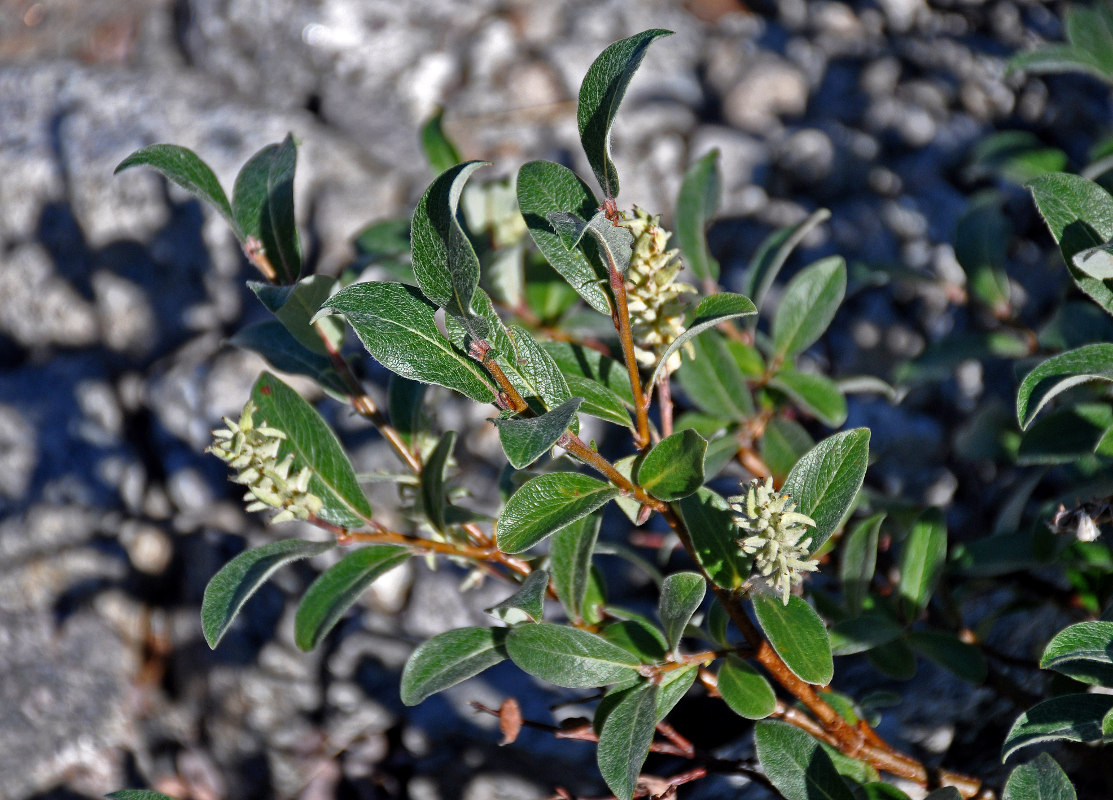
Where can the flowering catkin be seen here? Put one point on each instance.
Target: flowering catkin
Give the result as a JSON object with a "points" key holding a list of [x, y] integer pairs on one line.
{"points": [[776, 535]]}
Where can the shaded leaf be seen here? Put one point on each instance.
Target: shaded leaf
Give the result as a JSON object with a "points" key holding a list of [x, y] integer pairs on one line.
{"points": [[624, 738], [948, 651], [796, 764], [945, 793], [187, 170], [921, 562], [674, 467], [1092, 362], [263, 202], [138, 794], [526, 439], [672, 688], [434, 498], [713, 381], [681, 595], [710, 312], [745, 690], [574, 359], [1072, 717], [450, 658], [1084, 651], [695, 206], [525, 605], [981, 245], [862, 633], [859, 560], [773, 254], [798, 635], [282, 351], [1065, 434], [598, 400], [569, 657], [809, 304], [546, 503], [827, 478], [784, 442], [405, 401], [894, 659], [296, 304], [570, 561], [1040, 779], [639, 637], [710, 524]]}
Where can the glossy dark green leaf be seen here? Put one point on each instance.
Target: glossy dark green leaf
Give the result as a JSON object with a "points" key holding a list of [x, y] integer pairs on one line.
{"points": [[710, 524], [1084, 651], [745, 690], [827, 478], [450, 658], [614, 242], [526, 439], [1040, 779], [337, 589], [439, 150], [396, 325], [624, 739], [546, 503], [241, 577], [815, 394], [672, 688], [570, 561], [569, 657], [1093, 362], [674, 467], [921, 562], [312, 443], [545, 188], [862, 633], [710, 312], [263, 202], [681, 595], [773, 254], [1079, 214], [1071, 717], [296, 304], [187, 170], [638, 637], [858, 560], [574, 359], [713, 381], [525, 605], [948, 651], [600, 95], [808, 306], [444, 260], [798, 635], [795, 763], [543, 378], [282, 351], [434, 497], [695, 206], [783, 444], [598, 400]]}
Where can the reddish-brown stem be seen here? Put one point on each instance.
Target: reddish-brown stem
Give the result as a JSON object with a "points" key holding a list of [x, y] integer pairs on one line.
{"points": [[664, 403], [488, 554], [577, 447]]}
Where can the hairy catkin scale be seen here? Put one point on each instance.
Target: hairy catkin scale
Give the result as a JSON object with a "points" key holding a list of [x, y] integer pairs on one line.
{"points": [[253, 452], [775, 535], [655, 298]]}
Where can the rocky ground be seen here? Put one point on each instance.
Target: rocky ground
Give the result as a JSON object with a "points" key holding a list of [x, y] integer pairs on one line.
{"points": [[116, 295]]}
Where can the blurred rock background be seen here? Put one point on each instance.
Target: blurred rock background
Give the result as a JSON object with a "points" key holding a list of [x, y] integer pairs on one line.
{"points": [[116, 294]]}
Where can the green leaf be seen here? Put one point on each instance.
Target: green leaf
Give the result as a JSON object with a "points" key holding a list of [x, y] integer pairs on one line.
{"points": [[337, 589], [859, 560], [405, 401], [546, 503], [815, 394], [681, 595], [1016, 156], [948, 651], [827, 478], [798, 635], [569, 657], [1093, 362], [773, 254], [1065, 434], [313, 444], [598, 400], [540, 372], [574, 359], [795, 763], [808, 306], [434, 499], [296, 304], [445, 262], [672, 688], [525, 605], [880, 791], [981, 247], [241, 577], [440, 152], [625, 737], [613, 241], [695, 206], [1084, 651], [282, 351], [570, 561], [263, 202], [862, 633], [945, 793], [784, 442], [138, 794], [1088, 30], [710, 312], [385, 239], [1040, 779], [545, 188], [674, 467], [710, 524], [1056, 59], [745, 690], [396, 325], [894, 659], [450, 658], [713, 381], [921, 562], [600, 95], [187, 170], [1079, 214], [526, 439], [1073, 717], [639, 637]]}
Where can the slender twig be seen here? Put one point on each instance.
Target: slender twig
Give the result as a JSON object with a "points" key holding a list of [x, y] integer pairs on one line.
{"points": [[577, 447], [664, 403], [383, 536]]}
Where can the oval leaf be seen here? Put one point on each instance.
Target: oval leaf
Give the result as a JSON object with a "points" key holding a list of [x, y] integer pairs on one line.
{"points": [[569, 657], [625, 737], [815, 394], [396, 325], [598, 400], [795, 763], [1084, 651], [1094, 362], [798, 635], [450, 658], [862, 633], [187, 170], [713, 380], [241, 577], [1073, 717], [570, 561], [921, 562], [546, 503], [695, 206], [711, 527], [808, 306], [527, 439], [337, 588], [681, 595], [312, 443], [600, 95], [525, 605], [1040, 779], [263, 202], [710, 312], [827, 478], [745, 690], [674, 467]]}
